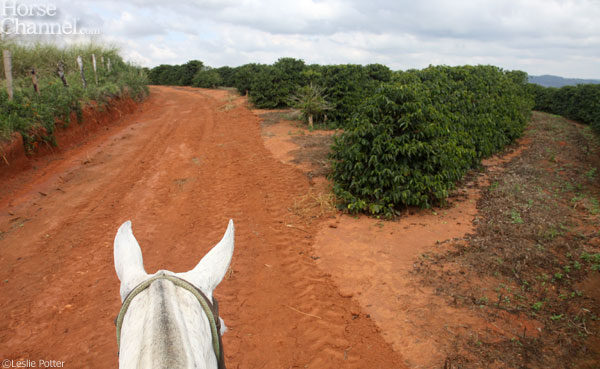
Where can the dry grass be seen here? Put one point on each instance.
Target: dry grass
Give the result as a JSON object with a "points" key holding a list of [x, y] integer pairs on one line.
{"points": [[314, 205], [314, 151], [229, 273], [274, 117], [230, 102]]}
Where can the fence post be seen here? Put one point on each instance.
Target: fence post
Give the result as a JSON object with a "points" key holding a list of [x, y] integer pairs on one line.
{"points": [[80, 63], [36, 88], [108, 65], [61, 73], [8, 72], [94, 66]]}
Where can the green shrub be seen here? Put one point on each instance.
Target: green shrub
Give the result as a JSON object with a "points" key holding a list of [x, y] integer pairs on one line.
{"points": [[245, 75], [379, 72], [488, 107], [175, 75], [397, 151], [270, 86], [227, 75], [415, 137], [207, 78], [580, 103], [346, 86], [273, 85], [31, 116], [160, 75]]}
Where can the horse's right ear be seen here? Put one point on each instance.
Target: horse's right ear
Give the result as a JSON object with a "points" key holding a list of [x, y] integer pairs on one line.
{"points": [[128, 260], [209, 272]]}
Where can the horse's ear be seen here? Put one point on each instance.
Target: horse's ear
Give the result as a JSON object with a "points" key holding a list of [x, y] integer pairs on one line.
{"points": [[212, 268], [128, 259]]}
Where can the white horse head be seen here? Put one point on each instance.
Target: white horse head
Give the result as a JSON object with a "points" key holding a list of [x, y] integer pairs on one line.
{"points": [[165, 325]]}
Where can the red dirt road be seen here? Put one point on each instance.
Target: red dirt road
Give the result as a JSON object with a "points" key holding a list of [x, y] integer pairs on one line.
{"points": [[179, 169]]}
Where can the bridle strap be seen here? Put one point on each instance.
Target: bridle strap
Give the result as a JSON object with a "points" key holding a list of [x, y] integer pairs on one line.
{"points": [[211, 311]]}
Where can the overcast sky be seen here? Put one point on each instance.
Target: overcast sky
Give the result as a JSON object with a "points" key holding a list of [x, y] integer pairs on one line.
{"points": [[560, 37]]}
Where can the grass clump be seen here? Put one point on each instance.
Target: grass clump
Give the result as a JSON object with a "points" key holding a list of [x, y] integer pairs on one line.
{"points": [[34, 115]]}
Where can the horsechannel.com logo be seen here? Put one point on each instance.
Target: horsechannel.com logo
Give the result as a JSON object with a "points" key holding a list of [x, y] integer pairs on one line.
{"points": [[38, 19], [26, 363]]}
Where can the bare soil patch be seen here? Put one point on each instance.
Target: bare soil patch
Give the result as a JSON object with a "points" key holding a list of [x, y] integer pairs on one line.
{"points": [[292, 142]]}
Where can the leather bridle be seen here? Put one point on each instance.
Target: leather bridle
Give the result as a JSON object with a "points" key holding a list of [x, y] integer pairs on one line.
{"points": [[211, 310]]}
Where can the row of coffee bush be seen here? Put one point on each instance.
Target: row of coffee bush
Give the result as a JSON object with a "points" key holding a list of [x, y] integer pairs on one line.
{"points": [[408, 136], [272, 86], [580, 103], [411, 141]]}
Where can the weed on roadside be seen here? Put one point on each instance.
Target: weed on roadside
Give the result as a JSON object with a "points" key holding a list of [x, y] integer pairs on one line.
{"points": [[537, 241]]}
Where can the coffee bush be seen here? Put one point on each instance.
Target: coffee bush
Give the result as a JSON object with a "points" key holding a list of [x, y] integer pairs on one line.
{"points": [[410, 142]]}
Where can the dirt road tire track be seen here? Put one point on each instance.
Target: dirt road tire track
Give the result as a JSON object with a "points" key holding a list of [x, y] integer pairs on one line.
{"points": [[179, 169]]}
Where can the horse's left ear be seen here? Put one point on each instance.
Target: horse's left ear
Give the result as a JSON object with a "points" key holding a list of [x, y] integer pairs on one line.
{"points": [[212, 268], [128, 260]]}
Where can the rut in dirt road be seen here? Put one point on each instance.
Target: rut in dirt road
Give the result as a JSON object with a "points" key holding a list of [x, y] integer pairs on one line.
{"points": [[179, 169]]}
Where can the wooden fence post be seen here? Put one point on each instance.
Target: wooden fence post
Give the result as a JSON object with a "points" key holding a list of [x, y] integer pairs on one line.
{"points": [[36, 88], [80, 63], [61, 73], [94, 66], [8, 72]]}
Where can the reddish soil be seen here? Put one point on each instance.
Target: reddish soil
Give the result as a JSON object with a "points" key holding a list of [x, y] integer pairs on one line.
{"points": [[372, 260], [179, 168]]}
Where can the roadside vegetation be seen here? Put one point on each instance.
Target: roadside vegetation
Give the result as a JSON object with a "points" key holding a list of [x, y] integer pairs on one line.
{"points": [[534, 256], [35, 115]]}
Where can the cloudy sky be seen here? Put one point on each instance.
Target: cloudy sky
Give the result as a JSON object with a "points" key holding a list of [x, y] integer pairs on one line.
{"points": [[560, 37]]}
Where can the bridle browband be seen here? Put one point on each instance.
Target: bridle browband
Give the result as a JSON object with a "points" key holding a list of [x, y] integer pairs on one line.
{"points": [[211, 311]]}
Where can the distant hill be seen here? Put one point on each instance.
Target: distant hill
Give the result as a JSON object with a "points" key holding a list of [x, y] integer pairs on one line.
{"points": [[556, 81]]}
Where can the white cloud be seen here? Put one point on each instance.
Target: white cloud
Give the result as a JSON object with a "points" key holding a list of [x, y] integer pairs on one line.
{"points": [[539, 36]]}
